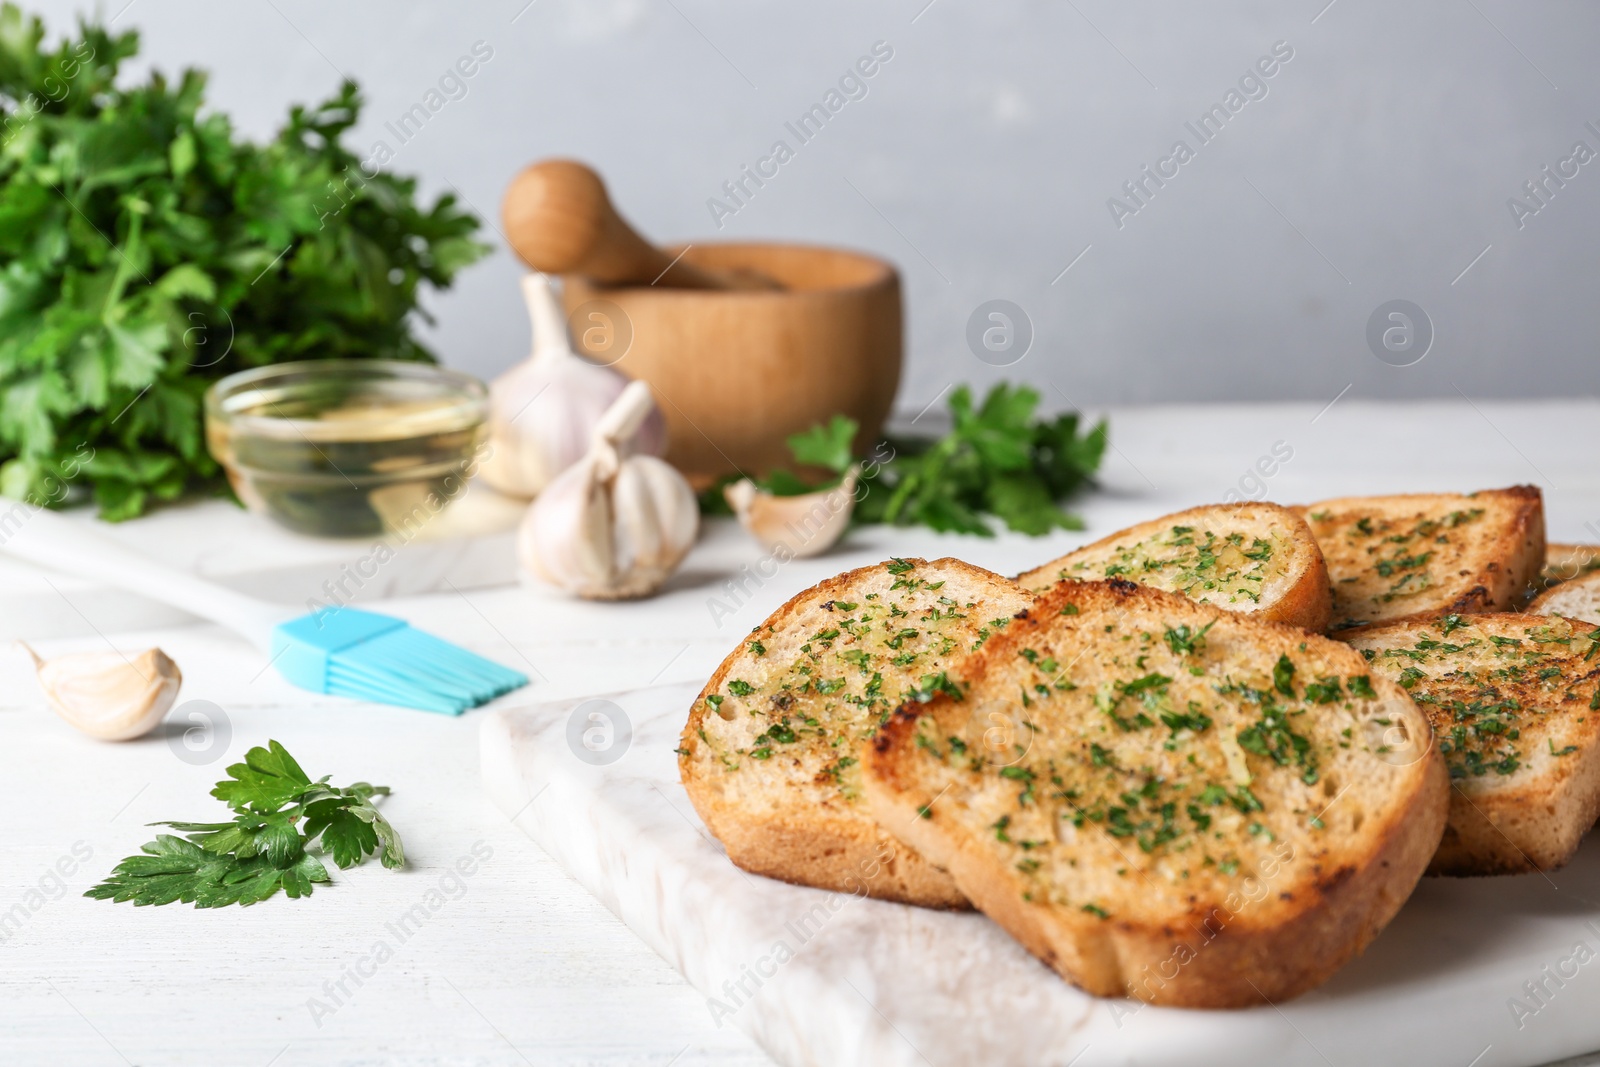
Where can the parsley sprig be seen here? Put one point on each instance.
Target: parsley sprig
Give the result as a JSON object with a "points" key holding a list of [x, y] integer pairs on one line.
{"points": [[279, 814], [997, 460]]}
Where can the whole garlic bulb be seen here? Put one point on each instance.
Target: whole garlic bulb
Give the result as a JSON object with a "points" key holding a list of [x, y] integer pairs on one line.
{"points": [[543, 411], [616, 524], [107, 695]]}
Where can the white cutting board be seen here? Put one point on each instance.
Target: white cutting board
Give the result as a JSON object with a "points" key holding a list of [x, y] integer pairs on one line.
{"points": [[883, 985]]}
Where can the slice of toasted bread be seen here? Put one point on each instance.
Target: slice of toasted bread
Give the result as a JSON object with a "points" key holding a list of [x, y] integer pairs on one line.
{"points": [[1563, 563], [1577, 598], [1259, 559], [1392, 556], [1169, 801], [1515, 706], [770, 754]]}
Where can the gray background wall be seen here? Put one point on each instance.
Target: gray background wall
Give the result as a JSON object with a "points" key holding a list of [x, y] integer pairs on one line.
{"points": [[981, 159]]}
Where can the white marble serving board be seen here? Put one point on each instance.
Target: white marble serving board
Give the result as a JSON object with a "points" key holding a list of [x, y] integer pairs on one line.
{"points": [[469, 546], [884, 985]]}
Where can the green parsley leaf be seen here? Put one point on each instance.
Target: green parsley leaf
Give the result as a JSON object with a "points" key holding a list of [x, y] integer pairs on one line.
{"points": [[931, 686], [1194, 721], [826, 445], [266, 780], [1360, 685], [279, 813], [1184, 641], [1283, 675], [172, 869], [352, 829], [1323, 690], [1244, 800]]}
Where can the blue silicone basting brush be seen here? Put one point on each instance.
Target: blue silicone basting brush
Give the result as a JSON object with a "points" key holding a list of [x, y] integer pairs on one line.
{"points": [[337, 650]]}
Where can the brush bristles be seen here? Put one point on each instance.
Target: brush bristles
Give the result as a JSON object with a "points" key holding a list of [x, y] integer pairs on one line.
{"points": [[417, 670]]}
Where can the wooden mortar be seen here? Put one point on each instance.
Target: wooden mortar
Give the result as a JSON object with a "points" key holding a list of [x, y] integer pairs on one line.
{"points": [[743, 344], [736, 371]]}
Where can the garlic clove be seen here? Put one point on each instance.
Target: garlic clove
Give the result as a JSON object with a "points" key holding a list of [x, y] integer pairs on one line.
{"points": [[804, 525], [107, 695], [565, 538], [617, 524], [543, 411], [656, 521]]}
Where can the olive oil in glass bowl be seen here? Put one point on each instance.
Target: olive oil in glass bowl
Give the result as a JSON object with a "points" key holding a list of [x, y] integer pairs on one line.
{"points": [[348, 448]]}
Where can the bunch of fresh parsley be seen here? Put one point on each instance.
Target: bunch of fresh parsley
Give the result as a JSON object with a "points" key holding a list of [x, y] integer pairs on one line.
{"points": [[996, 460], [279, 813], [146, 250]]}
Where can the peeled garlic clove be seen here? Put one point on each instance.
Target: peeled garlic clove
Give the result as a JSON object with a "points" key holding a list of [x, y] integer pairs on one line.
{"points": [[804, 525], [615, 525], [543, 411], [108, 695]]}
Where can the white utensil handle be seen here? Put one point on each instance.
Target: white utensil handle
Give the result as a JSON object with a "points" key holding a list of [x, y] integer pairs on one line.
{"points": [[40, 536]]}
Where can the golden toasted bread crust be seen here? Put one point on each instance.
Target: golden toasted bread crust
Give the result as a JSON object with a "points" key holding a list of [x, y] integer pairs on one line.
{"points": [[1392, 557], [787, 812], [1514, 701], [1313, 888], [1174, 553], [842, 854]]}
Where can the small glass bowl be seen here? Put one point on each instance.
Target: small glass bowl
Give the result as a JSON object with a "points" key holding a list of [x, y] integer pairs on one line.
{"points": [[348, 447]]}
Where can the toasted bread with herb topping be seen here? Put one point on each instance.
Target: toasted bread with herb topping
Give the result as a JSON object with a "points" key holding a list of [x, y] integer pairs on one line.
{"points": [[770, 754], [1428, 554], [1515, 706], [1169, 801], [1577, 598], [1259, 559], [1564, 563]]}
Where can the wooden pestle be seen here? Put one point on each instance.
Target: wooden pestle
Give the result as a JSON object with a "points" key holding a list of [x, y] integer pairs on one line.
{"points": [[560, 221]]}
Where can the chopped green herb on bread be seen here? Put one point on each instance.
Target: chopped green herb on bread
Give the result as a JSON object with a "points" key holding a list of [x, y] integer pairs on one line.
{"points": [[770, 754], [1515, 705], [1259, 559], [1166, 800], [1429, 553]]}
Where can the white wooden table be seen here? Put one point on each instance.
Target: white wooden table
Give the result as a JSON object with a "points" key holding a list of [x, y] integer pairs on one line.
{"points": [[516, 964]]}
